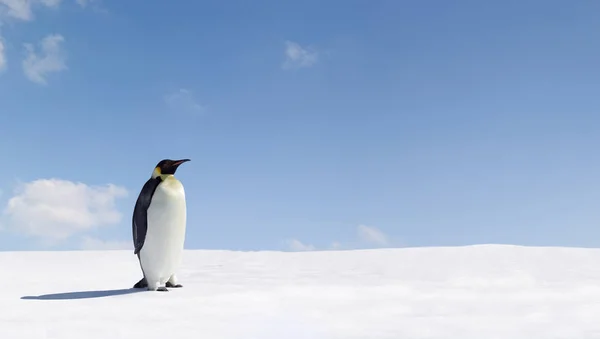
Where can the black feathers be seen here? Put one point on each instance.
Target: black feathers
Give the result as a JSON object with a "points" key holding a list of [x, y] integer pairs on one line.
{"points": [[140, 212]]}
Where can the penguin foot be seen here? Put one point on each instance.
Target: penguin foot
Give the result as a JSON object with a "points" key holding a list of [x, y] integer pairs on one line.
{"points": [[169, 284], [141, 284], [162, 289]]}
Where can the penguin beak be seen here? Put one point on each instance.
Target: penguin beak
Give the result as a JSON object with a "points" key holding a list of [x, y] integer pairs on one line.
{"points": [[179, 162]]}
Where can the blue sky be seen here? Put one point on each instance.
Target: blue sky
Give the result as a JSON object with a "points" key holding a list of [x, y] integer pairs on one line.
{"points": [[310, 125]]}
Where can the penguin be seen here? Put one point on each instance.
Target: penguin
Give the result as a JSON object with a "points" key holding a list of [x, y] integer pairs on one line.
{"points": [[158, 227]]}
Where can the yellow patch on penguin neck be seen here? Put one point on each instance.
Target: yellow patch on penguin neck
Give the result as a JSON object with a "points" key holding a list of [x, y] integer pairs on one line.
{"points": [[156, 173]]}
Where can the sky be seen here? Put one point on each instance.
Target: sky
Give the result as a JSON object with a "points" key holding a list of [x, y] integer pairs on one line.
{"points": [[310, 126]]}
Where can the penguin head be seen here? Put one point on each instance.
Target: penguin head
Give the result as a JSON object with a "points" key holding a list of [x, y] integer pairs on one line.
{"points": [[167, 167]]}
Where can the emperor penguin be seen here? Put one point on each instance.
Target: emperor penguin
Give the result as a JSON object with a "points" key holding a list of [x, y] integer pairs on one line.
{"points": [[158, 226]]}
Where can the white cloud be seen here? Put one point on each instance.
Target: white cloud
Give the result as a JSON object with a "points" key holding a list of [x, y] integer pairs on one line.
{"points": [[297, 56], [55, 209], [19, 9], [183, 100], [22, 9], [336, 245], [2, 55], [95, 5], [372, 235], [94, 244], [51, 59], [367, 237], [51, 3], [86, 3], [298, 246]]}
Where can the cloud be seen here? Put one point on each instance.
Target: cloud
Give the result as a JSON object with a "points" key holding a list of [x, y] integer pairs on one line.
{"points": [[297, 57], [19, 9], [52, 59], [55, 209], [2, 55], [367, 237], [22, 9], [95, 5], [94, 244], [372, 235], [336, 245], [297, 246], [51, 3], [86, 3], [183, 100]]}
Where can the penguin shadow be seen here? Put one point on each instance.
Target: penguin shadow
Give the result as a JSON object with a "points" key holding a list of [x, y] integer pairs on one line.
{"points": [[83, 294]]}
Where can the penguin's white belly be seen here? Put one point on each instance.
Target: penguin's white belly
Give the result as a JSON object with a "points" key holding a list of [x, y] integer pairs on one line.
{"points": [[161, 253]]}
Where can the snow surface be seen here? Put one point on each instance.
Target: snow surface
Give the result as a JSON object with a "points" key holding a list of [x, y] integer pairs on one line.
{"points": [[484, 291]]}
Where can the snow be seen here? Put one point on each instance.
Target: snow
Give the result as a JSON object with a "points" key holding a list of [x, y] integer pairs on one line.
{"points": [[485, 291]]}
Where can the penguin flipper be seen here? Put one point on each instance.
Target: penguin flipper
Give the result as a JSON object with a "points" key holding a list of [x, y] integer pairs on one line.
{"points": [[139, 222]]}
